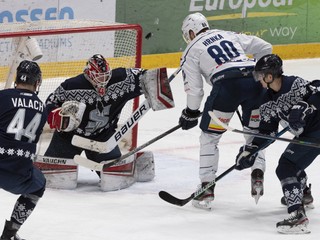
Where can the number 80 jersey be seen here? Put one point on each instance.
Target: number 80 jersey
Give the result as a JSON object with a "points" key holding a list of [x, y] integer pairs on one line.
{"points": [[216, 50]]}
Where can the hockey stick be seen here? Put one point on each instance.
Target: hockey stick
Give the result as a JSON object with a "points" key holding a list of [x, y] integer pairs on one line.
{"points": [[293, 141], [105, 164], [114, 140], [181, 202]]}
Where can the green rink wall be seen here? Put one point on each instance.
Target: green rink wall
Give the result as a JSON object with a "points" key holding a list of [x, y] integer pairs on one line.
{"points": [[290, 51], [291, 26]]}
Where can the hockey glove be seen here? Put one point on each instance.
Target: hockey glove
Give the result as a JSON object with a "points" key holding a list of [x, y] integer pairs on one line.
{"points": [[54, 119], [68, 117], [298, 114], [189, 118], [246, 156]]}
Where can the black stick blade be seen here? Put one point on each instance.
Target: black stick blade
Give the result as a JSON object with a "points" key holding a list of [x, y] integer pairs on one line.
{"points": [[173, 200]]}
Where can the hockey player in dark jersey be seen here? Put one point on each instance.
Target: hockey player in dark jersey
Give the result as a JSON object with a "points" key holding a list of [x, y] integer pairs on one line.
{"points": [[22, 117], [103, 92], [294, 102]]}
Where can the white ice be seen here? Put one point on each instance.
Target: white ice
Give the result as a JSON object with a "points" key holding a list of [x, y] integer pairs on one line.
{"points": [[137, 213]]}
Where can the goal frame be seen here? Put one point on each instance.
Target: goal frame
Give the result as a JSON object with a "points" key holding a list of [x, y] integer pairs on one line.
{"points": [[83, 29]]}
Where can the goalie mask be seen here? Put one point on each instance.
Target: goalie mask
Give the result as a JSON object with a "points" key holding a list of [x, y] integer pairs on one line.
{"points": [[98, 73], [268, 64], [194, 22], [28, 72]]}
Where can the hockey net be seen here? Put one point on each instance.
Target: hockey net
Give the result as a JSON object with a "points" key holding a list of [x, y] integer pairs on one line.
{"points": [[65, 46]]}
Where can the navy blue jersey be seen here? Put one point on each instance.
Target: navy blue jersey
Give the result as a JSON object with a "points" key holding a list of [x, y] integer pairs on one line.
{"points": [[293, 90], [22, 117], [102, 114]]}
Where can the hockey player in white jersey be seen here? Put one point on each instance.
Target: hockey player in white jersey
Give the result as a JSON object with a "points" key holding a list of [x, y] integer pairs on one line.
{"points": [[220, 58]]}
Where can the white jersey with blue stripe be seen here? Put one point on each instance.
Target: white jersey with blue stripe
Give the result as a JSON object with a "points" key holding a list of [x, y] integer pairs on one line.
{"points": [[214, 51]]}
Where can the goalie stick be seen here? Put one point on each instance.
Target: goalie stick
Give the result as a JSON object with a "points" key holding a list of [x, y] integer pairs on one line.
{"points": [[114, 140], [293, 141], [181, 202], [102, 165]]}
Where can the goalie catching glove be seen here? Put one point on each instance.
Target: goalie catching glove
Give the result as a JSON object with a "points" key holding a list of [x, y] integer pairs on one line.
{"points": [[246, 156], [68, 117], [189, 118]]}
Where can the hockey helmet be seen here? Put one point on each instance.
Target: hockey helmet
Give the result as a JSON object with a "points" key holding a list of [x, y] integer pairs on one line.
{"points": [[97, 71], [28, 72], [268, 64], [194, 22]]}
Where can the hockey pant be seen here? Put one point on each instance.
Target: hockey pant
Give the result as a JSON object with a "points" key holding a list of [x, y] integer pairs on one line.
{"points": [[209, 156], [225, 98]]}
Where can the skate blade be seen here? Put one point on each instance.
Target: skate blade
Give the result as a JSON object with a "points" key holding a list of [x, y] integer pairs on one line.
{"points": [[204, 205], [300, 229], [258, 194]]}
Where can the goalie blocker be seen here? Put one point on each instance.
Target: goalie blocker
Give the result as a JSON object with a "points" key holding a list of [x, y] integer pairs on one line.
{"points": [[156, 88], [62, 173]]}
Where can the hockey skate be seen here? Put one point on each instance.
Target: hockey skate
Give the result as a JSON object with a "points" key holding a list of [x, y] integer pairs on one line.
{"points": [[204, 200], [307, 199], [9, 233], [257, 184], [296, 224]]}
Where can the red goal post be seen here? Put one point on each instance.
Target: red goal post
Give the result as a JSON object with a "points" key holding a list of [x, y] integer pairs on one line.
{"points": [[65, 46]]}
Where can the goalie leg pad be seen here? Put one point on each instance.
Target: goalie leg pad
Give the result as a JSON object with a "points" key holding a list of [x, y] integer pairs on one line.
{"points": [[60, 173], [136, 168], [145, 166], [157, 89], [119, 176]]}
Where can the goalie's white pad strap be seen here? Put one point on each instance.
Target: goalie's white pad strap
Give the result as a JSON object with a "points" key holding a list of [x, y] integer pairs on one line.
{"points": [[60, 173], [157, 89]]}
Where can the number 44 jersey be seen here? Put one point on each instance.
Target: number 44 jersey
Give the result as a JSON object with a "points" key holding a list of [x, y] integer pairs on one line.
{"points": [[22, 117]]}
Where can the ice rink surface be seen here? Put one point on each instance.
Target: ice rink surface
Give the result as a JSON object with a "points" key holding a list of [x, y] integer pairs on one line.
{"points": [[137, 213]]}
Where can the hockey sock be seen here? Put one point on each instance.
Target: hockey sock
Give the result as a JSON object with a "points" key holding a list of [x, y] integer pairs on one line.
{"points": [[23, 208]]}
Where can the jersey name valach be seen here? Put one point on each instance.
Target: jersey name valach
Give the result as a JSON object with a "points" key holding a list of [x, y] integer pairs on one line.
{"points": [[28, 103], [211, 5]]}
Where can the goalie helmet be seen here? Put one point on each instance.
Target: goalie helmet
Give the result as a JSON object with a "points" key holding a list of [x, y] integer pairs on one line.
{"points": [[194, 22], [98, 73], [268, 64], [28, 72]]}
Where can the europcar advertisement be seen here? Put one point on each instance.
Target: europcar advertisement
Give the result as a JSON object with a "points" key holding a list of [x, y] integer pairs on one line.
{"points": [[276, 21]]}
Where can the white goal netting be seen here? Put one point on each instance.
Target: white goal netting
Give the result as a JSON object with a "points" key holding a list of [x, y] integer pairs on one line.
{"points": [[62, 48]]}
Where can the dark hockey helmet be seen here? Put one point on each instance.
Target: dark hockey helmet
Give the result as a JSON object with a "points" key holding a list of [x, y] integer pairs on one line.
{"points": [[28, 72], [268, 64], [98, 73]]}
